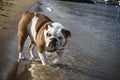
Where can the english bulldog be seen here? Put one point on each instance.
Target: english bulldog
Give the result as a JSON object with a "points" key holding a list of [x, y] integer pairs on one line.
{"points": [[48, 36]]}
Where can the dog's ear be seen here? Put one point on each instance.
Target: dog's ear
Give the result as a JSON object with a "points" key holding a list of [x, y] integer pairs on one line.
{"points": [[48, 26], [66, 33]]}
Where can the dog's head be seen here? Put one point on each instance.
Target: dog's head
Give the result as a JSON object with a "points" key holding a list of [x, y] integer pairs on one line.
{"points": [[55, 36]]}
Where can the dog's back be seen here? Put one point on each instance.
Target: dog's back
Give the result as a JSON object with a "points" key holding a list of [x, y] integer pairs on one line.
{"points": [[27, 18]]}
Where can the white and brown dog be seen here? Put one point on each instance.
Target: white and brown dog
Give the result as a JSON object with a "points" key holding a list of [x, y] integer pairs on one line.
{"points": [[44, 33]]}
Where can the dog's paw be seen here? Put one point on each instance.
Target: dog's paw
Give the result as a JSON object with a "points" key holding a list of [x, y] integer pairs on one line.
{"points": [[18, 60], [21, 57], [57, 61], [31, 58]]}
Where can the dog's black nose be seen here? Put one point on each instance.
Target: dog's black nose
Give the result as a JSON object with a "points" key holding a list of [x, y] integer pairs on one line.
{"points": [[54, 40]]}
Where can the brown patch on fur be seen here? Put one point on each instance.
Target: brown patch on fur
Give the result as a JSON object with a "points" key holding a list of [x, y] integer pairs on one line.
{"points": [[40, 41], [22, 29], [41, 21]]}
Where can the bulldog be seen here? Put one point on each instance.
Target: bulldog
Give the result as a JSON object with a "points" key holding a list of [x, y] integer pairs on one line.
{"points": [[48, 36]]}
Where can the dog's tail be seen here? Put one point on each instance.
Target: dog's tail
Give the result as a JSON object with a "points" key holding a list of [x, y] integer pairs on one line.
{"points": [[35, 13], [48, 7], [25, 13]]}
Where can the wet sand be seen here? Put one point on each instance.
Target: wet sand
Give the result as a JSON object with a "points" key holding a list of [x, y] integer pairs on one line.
{"points": [[10, 13], [92, 52]]}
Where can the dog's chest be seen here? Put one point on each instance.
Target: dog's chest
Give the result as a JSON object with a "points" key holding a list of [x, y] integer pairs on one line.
{"points": [[32, 28]]}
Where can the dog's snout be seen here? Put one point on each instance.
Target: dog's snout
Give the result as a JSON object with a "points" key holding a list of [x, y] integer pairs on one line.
{"points": [[53, 42], [54, 39]]}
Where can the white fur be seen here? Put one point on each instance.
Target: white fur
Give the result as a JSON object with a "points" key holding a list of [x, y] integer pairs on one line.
{"points": [[20, 56], [59, 60], [31, 51], [31, 29], [42, 58], [55, 29], [32, 32]]}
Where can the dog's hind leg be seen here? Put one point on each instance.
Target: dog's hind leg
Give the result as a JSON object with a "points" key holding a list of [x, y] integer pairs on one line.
{"points": [[21, 40], [31, 48]]}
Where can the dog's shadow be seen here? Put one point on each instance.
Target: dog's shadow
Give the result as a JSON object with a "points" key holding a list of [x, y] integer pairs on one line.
{"points": [[18, 68], [33, 69]]}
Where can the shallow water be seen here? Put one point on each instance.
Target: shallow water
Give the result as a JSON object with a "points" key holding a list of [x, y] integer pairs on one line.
{"points": [[92, 52]]}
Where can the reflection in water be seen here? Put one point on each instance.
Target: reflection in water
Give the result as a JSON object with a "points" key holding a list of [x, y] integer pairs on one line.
{"points": [[33, 70], [12, 75]]}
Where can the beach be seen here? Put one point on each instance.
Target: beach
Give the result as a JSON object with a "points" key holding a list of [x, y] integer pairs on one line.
{"points": [[92, 52], [10, 13]]}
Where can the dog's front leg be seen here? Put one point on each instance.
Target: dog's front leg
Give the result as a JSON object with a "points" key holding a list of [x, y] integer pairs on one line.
{"points": [[42, 58], [60, 57], [31, 48]]}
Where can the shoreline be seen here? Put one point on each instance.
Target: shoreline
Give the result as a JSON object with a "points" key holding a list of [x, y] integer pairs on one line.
{"points": [[10, 14]]}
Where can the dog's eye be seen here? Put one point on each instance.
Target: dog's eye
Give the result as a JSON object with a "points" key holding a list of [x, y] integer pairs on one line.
{"points": [[60, 38], [49, 35]]}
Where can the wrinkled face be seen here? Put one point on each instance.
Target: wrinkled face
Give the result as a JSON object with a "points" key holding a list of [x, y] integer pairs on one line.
{"points": [[54, 37]]}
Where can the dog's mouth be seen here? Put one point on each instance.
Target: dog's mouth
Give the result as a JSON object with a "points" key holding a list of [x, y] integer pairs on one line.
{"points": [[52, 46], [49, 49]]}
